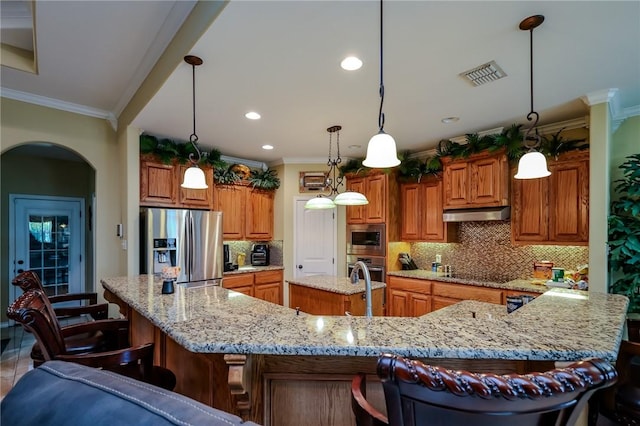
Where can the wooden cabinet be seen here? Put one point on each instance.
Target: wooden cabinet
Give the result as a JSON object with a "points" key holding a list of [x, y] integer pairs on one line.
{"points": [[457, 292], [160, 186], [482, 180], [408, 297], [376, 188], [421, 212], [322, 302], [247, 213], [265, 285], [555, 209]]}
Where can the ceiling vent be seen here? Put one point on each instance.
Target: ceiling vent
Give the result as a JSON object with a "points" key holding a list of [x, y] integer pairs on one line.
{"points": [[485, 73]]}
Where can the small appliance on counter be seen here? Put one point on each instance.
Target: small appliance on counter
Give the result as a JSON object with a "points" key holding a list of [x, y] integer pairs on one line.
{"points": [[260, 255], [407, 262], [228, 265]]}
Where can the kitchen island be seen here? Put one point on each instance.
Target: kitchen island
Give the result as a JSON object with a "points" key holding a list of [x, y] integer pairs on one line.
{"points": [[271, 365], [330, 295]]}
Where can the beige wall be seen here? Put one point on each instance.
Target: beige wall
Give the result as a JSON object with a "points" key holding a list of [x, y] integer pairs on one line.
{"points": [[284, 216], [625, 141], [95, 141]]}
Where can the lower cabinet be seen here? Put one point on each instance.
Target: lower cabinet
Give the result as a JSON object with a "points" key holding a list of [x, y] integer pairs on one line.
{"points": [[265, 285], [408, 297], [412, 297]]}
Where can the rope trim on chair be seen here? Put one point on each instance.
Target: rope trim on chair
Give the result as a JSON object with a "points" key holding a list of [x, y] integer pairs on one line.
{"points": [[580, 376]]}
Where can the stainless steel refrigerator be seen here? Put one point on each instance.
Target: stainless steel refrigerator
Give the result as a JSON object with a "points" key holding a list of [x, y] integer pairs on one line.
{"points": [[190, 239]]}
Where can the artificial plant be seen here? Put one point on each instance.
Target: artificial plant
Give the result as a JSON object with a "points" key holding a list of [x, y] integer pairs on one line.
{"points": [[624, 233]]}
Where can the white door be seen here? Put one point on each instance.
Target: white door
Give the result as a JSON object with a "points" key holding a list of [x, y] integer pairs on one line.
{"points": [[46, 235], [314, 241]]}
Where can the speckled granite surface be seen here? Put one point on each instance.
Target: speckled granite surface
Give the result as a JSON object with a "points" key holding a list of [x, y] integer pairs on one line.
{"points": [[247, 269], [558, 325], [521, 285], [340, 285]]}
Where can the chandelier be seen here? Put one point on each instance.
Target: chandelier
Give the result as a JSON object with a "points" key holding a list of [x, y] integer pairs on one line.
{"points": [[334, 181]]}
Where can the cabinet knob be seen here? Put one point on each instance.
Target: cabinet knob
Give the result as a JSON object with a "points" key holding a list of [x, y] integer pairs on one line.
{"points": [[299, 266]]}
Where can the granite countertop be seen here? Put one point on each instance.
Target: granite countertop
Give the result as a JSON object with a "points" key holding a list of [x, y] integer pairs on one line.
{"points": [[340, 285], [248, 268], [562, 325], [519, 285]]}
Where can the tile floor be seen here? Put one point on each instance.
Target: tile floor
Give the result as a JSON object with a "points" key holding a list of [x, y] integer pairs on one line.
{"points": [[15, 360]]}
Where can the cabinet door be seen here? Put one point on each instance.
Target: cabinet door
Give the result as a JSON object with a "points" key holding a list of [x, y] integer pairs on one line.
{"points": [[419, 304], [376, 190], [197, 198], [269, 292], [439, 302], [230, 200], [569, 202], [356, 214], [398, 303], [158, 184], [259, 215], [411, 211], [432, 226], [487, 186], [530, 220], [457, 180]]}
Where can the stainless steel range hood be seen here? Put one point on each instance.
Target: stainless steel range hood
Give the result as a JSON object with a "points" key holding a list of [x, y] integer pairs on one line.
{"points": [[477, 215]]}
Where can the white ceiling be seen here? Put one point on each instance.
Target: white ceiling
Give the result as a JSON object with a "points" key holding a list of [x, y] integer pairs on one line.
{"points": [[281, 58]]}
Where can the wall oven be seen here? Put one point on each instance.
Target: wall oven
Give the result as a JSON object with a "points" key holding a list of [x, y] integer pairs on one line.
{"points": [[366, 240], [375, 264]]}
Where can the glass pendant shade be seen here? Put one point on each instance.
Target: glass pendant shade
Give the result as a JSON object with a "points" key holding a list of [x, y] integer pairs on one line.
{"points": [[532, 165], [381, 152], [319, 203], [194, 178], [351, 199]]}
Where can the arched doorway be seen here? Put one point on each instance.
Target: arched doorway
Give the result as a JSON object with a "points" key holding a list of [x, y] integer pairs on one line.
{"points": [[54, 175]]}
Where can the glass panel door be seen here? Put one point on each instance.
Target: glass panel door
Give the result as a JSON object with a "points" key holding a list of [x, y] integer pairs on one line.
{"points": [[49, 251]]}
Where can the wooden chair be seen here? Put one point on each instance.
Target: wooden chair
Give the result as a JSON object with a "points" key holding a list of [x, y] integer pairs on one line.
{"points": [[366, 414], [29, 280], [420, 394], [76, 343], [33, 310]]}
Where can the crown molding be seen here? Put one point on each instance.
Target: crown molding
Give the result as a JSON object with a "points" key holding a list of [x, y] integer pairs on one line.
{"points": [[60, 105], [599, 96], [609, 96], [250, 163]]}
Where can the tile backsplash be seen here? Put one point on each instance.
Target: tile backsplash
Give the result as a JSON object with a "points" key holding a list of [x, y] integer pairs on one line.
{"points": [[485, 252], [235, 247]]}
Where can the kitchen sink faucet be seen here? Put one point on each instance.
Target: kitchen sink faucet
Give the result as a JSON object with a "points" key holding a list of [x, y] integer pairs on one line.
{"points": [[360, 265]]}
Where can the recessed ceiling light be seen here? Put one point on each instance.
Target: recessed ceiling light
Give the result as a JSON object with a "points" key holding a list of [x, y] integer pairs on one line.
{"points": [[351, 63], [267, 147], [252, 115], [448, 120], [354, 146]]}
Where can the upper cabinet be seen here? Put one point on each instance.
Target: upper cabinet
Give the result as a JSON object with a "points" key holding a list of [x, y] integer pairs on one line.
{"points": [[375, 187], [247, 213], [555, 209], [482, 180], [421, 212], [160, 186]]}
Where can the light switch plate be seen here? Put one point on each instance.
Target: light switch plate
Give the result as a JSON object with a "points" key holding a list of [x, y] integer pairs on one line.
{"points": [[438, 258]]}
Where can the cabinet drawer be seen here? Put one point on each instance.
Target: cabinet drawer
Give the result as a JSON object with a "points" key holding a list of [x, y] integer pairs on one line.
{"points": [[240, 280], [463, 292], [410, 284], [268, 277]]}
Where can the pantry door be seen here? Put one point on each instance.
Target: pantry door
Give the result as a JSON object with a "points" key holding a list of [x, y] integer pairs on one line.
{"points": [[314, 241], [46, 236]]}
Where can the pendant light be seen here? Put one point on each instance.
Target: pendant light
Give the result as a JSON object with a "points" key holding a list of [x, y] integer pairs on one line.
{"points": [[194, 176], [334, 181], [533, 164], [381, 151]]}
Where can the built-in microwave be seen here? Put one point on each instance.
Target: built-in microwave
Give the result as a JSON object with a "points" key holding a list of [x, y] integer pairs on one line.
{"points": [[366, 240]]}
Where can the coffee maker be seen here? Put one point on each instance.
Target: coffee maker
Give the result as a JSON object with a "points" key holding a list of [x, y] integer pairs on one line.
{"points": [[260, 255], [228, 265]]}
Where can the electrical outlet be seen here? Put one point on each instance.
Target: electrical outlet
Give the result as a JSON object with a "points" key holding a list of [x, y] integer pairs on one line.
{"points": [[438, 258]]}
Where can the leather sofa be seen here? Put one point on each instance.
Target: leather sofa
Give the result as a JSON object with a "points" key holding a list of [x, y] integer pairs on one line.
{"points": [[64, 393]]}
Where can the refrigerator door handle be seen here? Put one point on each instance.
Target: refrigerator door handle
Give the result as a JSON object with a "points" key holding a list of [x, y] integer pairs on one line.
{"points": [[190, 243]]}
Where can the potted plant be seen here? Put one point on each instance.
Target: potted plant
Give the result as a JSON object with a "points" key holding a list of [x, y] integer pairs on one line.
{"points": [[624, 234]]}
